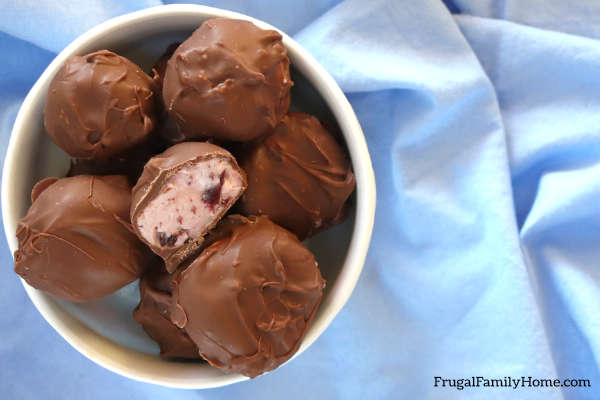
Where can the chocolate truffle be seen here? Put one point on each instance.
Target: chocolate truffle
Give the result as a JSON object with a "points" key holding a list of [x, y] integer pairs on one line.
{"points": [[99, 105], [181, 194], [230, 80], [299, 176], [153, 313], [248, 299], [76, 242]]}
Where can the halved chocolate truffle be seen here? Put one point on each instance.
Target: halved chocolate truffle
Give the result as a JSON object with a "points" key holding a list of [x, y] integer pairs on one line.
{"points": [[181, 194], [99, 105], [76, 242], [230, 80], [299, 176], [249, 297], [153, 313]]}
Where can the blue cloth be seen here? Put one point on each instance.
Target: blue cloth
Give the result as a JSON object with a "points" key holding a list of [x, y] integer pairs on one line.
{"points": [[482, 119]]}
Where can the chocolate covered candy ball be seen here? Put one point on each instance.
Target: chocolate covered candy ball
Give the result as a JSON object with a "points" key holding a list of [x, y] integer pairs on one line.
{"points": [[153, 313], [181, 194], [299, 176], [230, 80], [249, 297], [75, 242], [99, 105]]}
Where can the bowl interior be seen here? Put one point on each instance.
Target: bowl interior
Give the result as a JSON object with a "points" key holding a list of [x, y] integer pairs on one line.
{"points": [[104, 330]]}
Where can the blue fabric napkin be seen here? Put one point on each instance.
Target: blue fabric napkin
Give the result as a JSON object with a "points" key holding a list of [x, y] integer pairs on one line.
{"points": [[483, 121]]}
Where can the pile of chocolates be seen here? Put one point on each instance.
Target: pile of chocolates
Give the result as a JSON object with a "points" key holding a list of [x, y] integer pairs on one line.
{"points": [[198, 181]]}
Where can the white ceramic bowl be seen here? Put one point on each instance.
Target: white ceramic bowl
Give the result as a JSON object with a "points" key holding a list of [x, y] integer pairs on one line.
{"points": [[104, 330]]}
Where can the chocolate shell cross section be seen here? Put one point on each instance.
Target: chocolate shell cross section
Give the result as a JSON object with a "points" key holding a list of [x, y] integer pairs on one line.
{"points": [[181, 194]]}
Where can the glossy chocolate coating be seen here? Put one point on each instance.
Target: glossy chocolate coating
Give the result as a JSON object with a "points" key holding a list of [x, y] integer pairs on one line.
{"points": [[76, 242], [230, 80], [248, 299], [157, 173], [99, 105], [299, 176], [153, 313]]}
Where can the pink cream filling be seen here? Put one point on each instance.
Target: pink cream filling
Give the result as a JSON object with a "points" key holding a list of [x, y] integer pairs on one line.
{"points": [[189, 202]]}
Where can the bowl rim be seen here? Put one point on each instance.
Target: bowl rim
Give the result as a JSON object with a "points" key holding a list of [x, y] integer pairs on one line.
{"points": [[75, 332]]}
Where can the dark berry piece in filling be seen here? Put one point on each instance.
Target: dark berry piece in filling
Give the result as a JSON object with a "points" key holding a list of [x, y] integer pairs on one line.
{"points": [[166, 240], [212, 195]]}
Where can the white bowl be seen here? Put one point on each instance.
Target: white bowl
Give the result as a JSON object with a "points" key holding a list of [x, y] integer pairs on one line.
{"points": [[104, 330]]}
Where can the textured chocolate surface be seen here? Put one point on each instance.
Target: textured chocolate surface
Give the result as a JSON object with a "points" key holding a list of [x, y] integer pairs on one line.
{"points": [[248, 299], [153, 182], [76, 242], [153, 313], [230, 80], [99, 105], [299, 176]]}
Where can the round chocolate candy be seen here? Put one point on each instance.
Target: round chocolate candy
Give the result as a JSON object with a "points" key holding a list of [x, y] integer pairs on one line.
{"points": [[249, 297], [230, 80], [99, 105], [76, 242], [299, 176]]}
